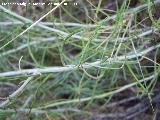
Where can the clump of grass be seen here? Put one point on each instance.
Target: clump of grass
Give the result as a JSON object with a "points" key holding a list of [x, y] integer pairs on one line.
{"points": [[64, 64]]}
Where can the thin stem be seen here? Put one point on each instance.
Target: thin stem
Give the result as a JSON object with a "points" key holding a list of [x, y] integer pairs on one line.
{"points": [[40, 40], [74, 67], [97, 96], [34, 24], [69, 24], [16, 93]]}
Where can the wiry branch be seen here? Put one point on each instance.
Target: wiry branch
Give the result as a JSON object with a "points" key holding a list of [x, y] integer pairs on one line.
{"points": [[33, 24], [16, 93], [99, 96], [35, 42], [41, 25], [70, 24], [74, 67]]}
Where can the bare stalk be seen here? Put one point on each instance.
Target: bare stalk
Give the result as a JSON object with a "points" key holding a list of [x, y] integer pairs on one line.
{"points": [[32, 25], [70, 24], [98, 96], [56, 69], [35, 42], [16, 93]]}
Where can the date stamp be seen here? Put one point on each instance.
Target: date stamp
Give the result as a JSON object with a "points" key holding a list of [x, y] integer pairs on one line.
{"points": [[35, 3]]}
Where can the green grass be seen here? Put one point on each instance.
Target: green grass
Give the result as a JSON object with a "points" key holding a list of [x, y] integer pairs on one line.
{"points": [[89, 55]]}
